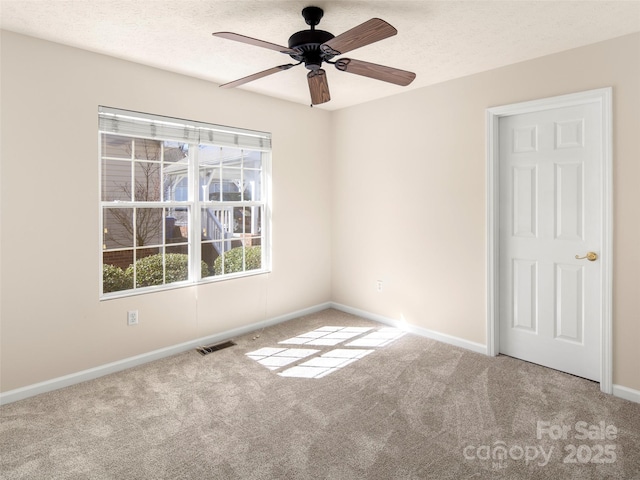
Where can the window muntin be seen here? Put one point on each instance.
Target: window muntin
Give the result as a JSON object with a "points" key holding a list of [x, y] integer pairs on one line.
{"points": [[230, 193], [181, 202]]}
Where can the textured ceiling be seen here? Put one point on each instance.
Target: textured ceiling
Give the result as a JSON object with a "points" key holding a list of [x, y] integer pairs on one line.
{"points": [[438, 40]]}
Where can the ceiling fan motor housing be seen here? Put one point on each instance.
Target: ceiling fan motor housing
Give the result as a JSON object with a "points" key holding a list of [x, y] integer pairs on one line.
{"points": [[308, 42]]}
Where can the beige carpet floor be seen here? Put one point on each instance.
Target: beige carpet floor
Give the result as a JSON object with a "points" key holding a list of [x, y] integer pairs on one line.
{"points": [[380, 406]]}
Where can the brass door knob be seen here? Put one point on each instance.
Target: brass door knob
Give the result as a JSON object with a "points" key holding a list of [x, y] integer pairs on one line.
{"points": [[591, 256]]}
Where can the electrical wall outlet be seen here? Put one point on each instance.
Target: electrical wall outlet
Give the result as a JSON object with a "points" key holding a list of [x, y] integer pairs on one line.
{"points": [[132, 317], [379, 285]]}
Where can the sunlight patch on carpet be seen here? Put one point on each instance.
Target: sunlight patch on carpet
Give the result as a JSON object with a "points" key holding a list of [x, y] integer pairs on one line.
{"points": [[381, 338], [275, 358], [326, 363], [326, 336]]}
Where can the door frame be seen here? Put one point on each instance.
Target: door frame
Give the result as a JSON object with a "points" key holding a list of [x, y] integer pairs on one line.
{"points": [[603, 97]]}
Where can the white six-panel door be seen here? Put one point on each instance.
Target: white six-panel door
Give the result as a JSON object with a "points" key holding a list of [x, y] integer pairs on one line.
{"points": [[550, 211]]}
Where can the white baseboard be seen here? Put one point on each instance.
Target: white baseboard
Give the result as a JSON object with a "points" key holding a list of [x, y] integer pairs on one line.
{"points": [[423, 332], [618, 390], [626, 393], [92, 373], [96, 372]]}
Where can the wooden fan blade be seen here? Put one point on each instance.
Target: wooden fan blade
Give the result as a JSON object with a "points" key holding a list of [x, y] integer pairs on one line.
{"points": [[373, 70], [254, 41], [318, 86], [368, 32], [258, 75]]}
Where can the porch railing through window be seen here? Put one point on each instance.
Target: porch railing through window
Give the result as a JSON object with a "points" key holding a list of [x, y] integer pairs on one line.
{"points": [[216, 226]]}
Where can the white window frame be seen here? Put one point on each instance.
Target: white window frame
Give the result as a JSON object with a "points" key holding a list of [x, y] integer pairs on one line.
{"points": [[154, 127]]}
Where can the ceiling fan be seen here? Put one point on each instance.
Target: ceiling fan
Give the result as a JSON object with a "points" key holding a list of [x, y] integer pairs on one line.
{"points": [[313, 47]]}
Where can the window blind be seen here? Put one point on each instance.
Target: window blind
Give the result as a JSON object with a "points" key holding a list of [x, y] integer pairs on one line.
{"points": [[129, 123]]}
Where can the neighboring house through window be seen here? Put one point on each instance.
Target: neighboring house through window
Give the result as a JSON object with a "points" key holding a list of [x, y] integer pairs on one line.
{"points": [[182, 202]]}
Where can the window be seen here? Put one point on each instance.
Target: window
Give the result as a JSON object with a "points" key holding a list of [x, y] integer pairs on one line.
{"points": [[182, 202]]}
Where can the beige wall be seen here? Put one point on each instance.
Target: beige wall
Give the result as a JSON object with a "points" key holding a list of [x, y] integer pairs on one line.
{"points": [[409, 194], [395, 191], [52, 321]]}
